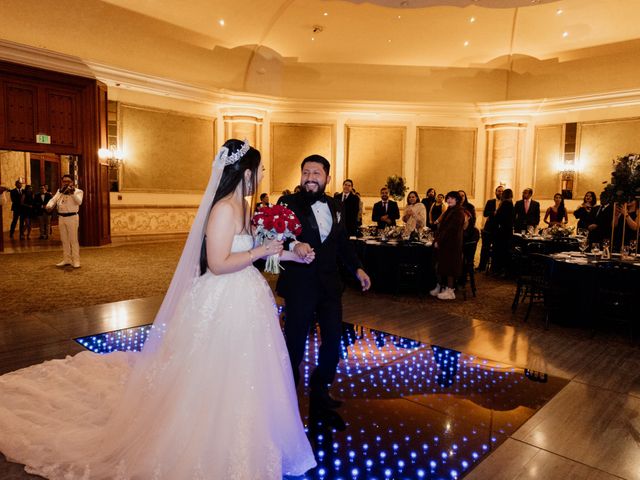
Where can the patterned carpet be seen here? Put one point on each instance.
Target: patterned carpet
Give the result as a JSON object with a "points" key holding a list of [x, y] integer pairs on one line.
{"points": [[31, 283]]}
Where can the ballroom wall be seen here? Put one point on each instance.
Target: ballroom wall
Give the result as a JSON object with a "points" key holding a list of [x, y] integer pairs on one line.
{"points": [[169, 152]]}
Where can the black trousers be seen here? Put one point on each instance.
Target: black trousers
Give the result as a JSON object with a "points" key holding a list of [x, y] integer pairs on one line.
{"points": [[485, 250], [14, 221], [300, 314]]}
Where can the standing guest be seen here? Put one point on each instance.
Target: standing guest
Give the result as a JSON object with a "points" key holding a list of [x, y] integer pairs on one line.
{"points": [[489, 228], [600, 229], [360, 207], [16, 209], [349, 205], [68, 200], [503, 233], [626, 223], [429, 199], [469, 216], [27, 208], [264, 201], [448, 245], [586, 213], [526, 212], [556, 213], [385, 212], [314, 291], [415, 215], [40, 201], [436, 211]]}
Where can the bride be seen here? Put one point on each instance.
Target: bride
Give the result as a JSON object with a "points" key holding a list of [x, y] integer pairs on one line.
{"points": [[211, 395]]}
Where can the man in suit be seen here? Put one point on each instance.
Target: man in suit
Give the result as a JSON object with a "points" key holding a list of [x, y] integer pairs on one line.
{"points": [[601, 228], [313, 292], [526, 212], [385, 212], [40, 201], [17, 210], [489, 228], [350, 206]]}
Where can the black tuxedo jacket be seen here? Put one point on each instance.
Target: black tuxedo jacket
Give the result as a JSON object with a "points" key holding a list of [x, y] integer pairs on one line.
{"points": [[522, 220], [39, 204], [378, 212], [321, 274], [350, 208], [16, 199]]}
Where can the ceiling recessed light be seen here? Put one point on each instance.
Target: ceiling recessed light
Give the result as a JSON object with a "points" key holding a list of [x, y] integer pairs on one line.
{"points": [[466, 43], [565, 34], [559, 11], [221, 22], [399, 17], [388, 41], [326, 14], [472, 20]]}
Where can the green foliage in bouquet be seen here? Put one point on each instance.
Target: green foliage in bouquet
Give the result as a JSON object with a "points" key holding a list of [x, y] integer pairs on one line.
{"points": [[397, 187], [559, 231], [625, 179]]}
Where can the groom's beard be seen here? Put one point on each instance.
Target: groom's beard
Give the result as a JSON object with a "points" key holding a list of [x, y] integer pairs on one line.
{"points": [[312, 197]]}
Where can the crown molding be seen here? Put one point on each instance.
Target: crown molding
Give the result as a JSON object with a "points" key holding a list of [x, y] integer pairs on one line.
{"points": [[519, 111]]}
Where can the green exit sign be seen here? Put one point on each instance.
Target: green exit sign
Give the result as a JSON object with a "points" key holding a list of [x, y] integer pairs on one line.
{"points": [[42, 138]]}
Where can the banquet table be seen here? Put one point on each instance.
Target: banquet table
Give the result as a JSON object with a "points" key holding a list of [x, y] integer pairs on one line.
{"points": [[547, 245], [575, 279], [397, 265]]}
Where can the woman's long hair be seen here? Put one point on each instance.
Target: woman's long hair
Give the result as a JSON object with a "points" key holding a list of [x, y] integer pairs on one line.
{"points": [[594, 199], [562, 211], [417, 197], [232, 176]]}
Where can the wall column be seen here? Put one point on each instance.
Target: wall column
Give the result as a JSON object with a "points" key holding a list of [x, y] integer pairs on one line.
{"points": [[505, 151]]}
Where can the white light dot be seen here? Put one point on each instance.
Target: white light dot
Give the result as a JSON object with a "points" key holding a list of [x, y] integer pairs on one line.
{"points": [[559, 11], [389, 41], [326, 14], [466, 43], [565, 34], [313, 38], [399, 17], [472, 20], [221, 22]]}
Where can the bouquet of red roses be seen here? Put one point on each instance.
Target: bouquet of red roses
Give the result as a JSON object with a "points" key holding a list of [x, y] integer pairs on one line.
{"points": [[275, 222]]}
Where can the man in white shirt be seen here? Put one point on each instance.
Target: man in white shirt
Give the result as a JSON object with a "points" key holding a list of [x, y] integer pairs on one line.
{"points": [[68, 200]]}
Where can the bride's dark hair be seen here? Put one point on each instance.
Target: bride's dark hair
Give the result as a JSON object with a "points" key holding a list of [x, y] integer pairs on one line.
{"points": [[232, 175]]}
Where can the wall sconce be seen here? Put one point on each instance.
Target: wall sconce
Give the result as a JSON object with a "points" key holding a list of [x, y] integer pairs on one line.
{"points": [[567, 177], [113, 156], [114, 159]]}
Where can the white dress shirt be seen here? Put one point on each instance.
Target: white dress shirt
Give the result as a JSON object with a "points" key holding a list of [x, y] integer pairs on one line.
{"points": [[66, 203], [323, 217]]}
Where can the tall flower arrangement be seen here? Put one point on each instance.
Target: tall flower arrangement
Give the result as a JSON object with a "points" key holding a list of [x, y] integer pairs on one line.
{"points": [[397, 187], [625, 179]]}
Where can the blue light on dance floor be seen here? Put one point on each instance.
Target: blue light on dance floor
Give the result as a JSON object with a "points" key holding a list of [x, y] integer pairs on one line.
{"points": [[411, 410]]}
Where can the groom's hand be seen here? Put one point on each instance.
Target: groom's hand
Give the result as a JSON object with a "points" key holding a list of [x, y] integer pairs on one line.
{"points": [[365, 281], [302, 249]]}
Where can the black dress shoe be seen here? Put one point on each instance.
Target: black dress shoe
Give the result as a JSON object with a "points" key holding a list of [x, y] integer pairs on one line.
{"points": [[321, 398]]}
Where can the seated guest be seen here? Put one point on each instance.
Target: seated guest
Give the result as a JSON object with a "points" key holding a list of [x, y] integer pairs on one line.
{"points": [[448, 247], [436, 211], [586, 213], [503, 233], [385, 212], [415, 215], [526, 212], [556, 213], [429, 199], [264, 201]]}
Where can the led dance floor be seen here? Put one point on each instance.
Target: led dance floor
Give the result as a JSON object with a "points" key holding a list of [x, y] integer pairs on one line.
{"points": [[411, 410]]}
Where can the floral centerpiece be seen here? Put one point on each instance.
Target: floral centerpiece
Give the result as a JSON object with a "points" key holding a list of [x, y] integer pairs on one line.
{"points": [[397, 187], [275, 222], [625, 179], [559, 231]]}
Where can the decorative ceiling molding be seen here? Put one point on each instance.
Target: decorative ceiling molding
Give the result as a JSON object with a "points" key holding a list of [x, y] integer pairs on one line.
{"points": [[226, 102], [453, 3]]}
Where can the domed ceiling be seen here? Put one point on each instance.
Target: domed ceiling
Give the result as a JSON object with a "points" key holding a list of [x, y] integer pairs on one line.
{"points": [[423, 50]]}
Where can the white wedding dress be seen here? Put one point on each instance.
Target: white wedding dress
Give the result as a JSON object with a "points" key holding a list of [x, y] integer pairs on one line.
{"points": [[214, 401]]}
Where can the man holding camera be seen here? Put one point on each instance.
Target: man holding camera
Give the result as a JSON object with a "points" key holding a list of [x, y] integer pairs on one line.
{"points": [[68, 200]]}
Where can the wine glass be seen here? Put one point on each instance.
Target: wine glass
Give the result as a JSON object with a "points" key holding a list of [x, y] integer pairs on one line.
{"points": [[583, 244], [633, 247], [595, 249], [531, 230]]}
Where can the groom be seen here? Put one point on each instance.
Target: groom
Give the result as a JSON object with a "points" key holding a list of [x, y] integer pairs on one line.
{"points": [[313, 292]]}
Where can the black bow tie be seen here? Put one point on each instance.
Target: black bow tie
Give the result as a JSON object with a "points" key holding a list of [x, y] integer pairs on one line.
{"points": [[322, 199]]}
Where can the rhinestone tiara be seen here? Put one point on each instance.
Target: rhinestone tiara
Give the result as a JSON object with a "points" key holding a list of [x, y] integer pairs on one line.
{"points": [[238, 154]]}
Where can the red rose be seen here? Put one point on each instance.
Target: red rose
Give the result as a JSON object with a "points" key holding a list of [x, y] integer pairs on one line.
{"points": [[267, 223], [279, 225]]}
